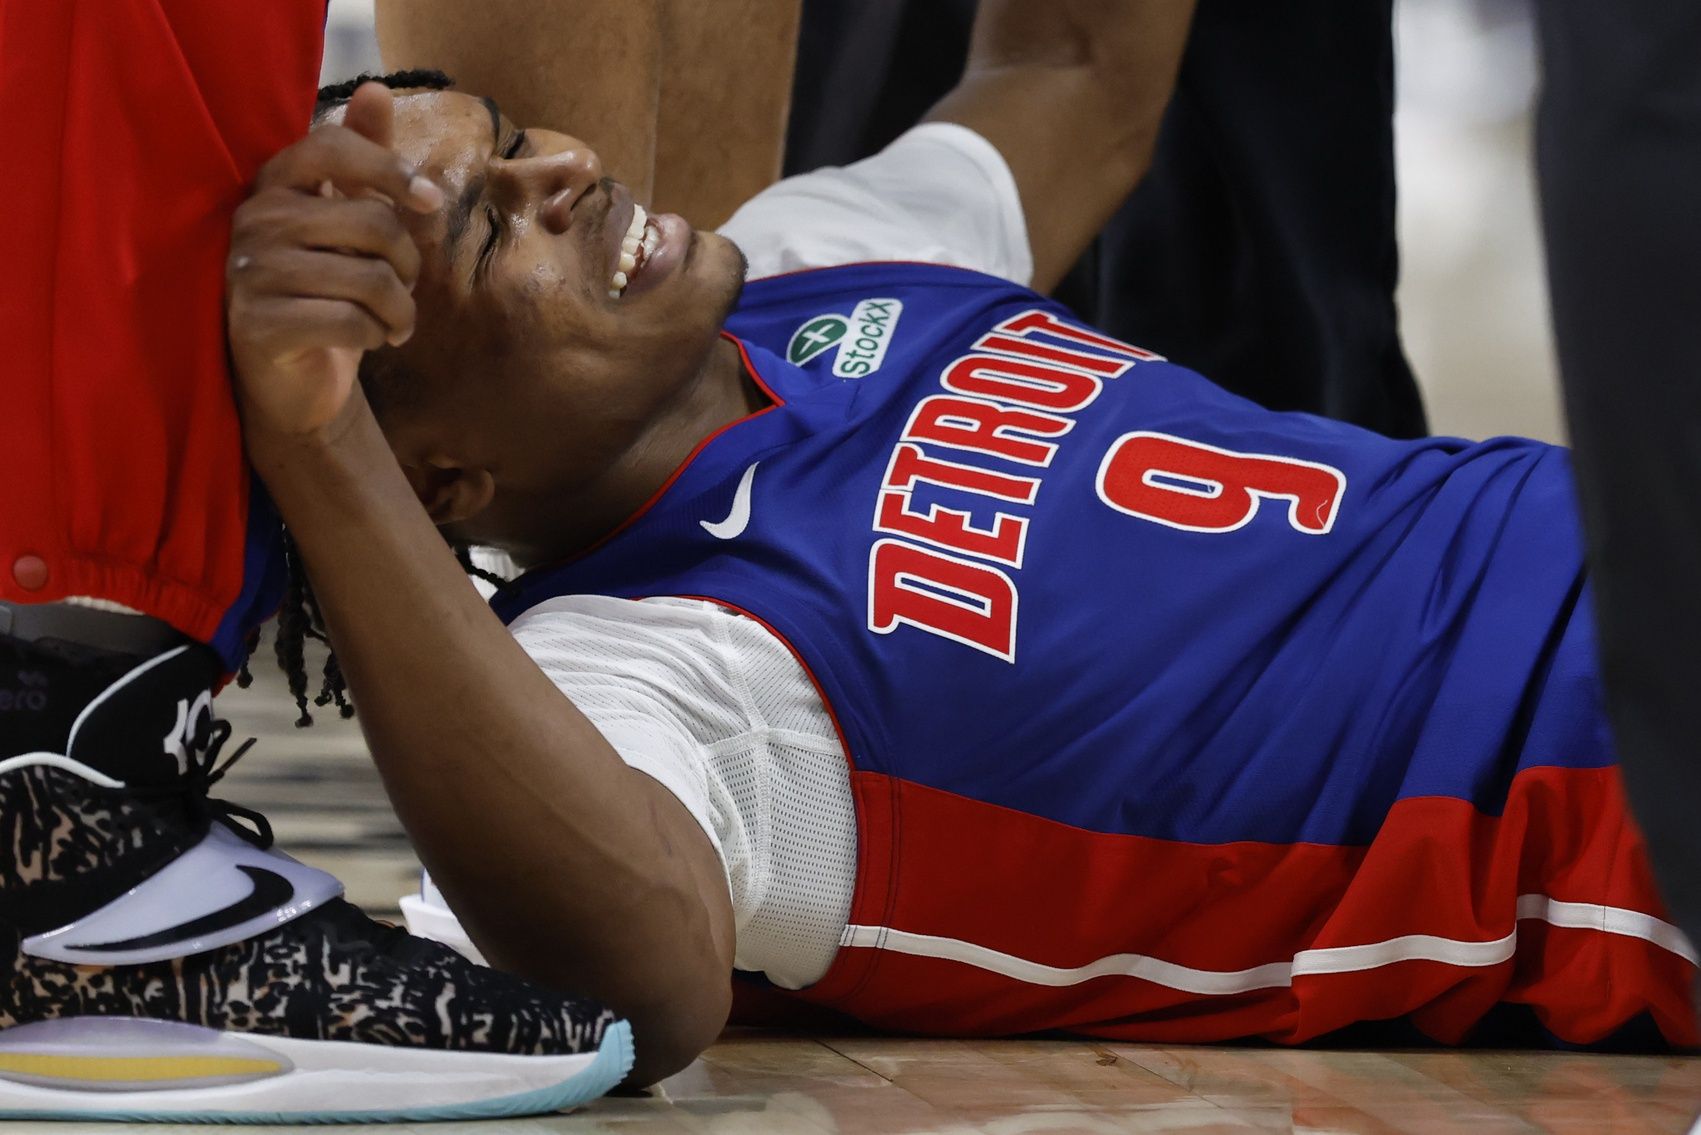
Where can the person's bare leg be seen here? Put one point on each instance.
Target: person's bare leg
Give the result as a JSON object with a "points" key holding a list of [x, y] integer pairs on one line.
{"points": [[725, 100], [685, 101], [586, 67]]}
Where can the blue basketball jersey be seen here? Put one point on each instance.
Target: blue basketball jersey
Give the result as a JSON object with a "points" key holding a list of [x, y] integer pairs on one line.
{"points": [[1053, 587], [1020, 557]]}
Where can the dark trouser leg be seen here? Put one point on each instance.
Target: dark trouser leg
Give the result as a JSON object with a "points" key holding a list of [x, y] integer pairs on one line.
{"points": [[1260, 248], [1620, 166]]}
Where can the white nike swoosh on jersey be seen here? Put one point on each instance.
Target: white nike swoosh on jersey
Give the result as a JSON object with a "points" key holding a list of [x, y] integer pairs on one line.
{"points": [[733, 526]]}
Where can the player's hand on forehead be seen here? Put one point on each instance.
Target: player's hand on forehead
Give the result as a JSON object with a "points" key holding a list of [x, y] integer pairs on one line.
{"points": [[322, 268], [356, 157]]}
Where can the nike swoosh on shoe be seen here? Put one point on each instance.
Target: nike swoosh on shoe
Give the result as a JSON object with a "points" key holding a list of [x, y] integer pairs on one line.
{"points": [[271, 890], [147, 923]]}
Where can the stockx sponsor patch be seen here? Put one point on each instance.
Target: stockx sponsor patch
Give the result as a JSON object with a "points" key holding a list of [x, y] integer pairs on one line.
{"points": [[858, 341]]}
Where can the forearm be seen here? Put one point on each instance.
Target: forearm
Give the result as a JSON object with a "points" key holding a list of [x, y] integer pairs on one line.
{"points": [[1072, 93], [567, 866], [725, 98], [590, 68], [1130, 47]]}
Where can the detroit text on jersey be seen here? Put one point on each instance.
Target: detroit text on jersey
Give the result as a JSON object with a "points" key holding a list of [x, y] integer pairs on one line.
{"points": [[1013, 391]]}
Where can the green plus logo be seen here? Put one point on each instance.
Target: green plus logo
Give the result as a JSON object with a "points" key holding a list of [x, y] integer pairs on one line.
{"points": [[859, 339], [815, 336]]}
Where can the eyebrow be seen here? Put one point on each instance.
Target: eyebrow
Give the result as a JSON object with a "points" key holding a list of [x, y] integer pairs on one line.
{"points": [[460, 213]]}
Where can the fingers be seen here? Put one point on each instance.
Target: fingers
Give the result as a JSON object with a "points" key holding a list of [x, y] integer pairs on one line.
{"points": [[370, 285], [319, 257], [284, 326], [371, 113], [355, 165], [287, 245], [282, 219], [322, 268]]}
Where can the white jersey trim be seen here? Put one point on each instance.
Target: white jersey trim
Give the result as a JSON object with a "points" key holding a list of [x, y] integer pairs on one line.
{"points": [[1275, 975], [1608, 920]]}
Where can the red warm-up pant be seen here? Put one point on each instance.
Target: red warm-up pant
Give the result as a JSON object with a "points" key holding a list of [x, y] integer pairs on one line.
{"points": [[129, 132]]}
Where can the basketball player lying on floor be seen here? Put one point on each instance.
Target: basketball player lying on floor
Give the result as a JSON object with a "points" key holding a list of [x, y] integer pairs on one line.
{"points": [[894, 642]]}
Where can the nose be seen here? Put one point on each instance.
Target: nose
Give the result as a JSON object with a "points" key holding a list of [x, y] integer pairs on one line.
{"points": [[550, 180]]}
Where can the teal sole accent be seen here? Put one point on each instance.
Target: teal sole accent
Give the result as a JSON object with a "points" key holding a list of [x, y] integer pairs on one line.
{"points": [[613, 1061]]}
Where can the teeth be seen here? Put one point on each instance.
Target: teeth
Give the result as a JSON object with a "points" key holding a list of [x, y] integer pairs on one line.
{"points": [[638, 236]]}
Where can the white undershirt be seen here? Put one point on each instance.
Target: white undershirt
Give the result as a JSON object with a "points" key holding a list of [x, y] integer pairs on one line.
{"points": [[940, 194], [707, 701]]}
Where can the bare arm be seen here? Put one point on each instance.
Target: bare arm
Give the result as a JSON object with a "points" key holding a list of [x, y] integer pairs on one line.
{"points": [[569, 867], [684, 100], [1071, 92]]}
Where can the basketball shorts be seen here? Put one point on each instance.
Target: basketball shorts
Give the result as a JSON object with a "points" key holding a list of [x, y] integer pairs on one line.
{"points": [[131, 131]]}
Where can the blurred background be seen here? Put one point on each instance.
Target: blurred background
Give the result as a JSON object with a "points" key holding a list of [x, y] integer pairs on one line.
{"points": [[1473, 311]]}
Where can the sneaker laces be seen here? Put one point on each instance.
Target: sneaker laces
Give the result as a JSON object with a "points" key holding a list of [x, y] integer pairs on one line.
{"points": [[194, 788]]}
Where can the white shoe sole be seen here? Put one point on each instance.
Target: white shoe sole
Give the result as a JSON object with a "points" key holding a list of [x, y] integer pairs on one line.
{"points": [[112, 1069]]}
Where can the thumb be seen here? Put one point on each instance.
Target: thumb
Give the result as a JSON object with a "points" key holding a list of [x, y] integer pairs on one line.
{"points": [[371, 113]]}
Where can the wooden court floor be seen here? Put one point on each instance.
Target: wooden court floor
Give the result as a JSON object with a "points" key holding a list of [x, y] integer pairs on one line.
{"points": [[326, 805], [755, 1084]]}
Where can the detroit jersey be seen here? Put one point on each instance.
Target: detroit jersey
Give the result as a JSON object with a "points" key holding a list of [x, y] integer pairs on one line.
{"points": [[1169, 717]]}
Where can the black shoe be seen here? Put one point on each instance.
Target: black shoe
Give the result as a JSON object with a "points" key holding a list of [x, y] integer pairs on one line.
{"points": [[168, 964]]}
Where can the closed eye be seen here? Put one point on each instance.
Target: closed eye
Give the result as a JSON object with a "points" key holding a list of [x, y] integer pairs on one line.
{"points": [[493, 217]]}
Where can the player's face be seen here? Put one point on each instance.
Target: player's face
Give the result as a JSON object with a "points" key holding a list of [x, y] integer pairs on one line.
{"points": [[527, 326]]}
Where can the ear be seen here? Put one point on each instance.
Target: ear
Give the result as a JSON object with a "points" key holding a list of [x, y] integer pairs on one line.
{"points": [[450, 493]]}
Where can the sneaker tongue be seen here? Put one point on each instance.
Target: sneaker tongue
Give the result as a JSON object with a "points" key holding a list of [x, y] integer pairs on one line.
{"points": [[142, 727]]}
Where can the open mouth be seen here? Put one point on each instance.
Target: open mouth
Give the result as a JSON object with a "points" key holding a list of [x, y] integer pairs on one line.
{"points": [[636, 248]]}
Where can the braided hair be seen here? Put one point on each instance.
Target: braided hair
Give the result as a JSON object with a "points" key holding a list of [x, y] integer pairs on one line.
{"points": [[334, 95], [299, 619]]}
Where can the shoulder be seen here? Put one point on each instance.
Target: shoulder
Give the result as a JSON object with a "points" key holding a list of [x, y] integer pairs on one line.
{"points": [[940, 193]]}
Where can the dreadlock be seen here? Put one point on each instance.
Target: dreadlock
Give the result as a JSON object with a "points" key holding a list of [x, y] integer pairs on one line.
{"points": [[463, 553], [299, 619]]}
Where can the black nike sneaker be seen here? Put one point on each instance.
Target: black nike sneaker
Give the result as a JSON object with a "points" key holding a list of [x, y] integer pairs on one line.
{"points": [[168, 964]]}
